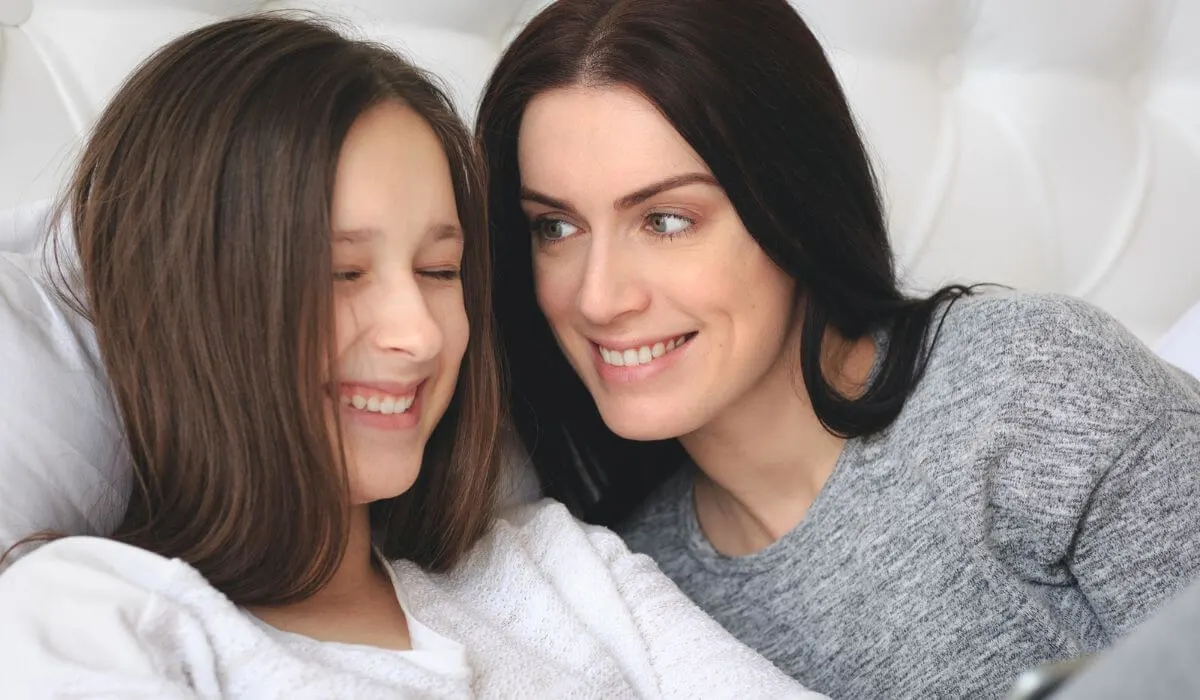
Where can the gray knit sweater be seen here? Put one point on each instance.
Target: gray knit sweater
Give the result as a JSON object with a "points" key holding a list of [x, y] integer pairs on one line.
{"points": [[1038, 496]]}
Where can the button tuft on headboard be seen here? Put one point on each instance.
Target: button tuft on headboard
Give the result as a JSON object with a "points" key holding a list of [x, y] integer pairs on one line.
{"points": [[15, 12]]}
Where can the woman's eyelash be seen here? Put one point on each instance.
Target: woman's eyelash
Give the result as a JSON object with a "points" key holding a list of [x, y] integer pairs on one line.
{"points": [[347, 275], [689, 224], [540, 225]]}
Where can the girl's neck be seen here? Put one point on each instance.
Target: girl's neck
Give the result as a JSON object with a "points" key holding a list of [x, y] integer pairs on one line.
{"points": [[765, 460], [358, 605], [359, 570]]}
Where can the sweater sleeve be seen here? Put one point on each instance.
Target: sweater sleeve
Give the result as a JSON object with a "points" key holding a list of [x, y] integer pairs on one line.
{"points": [[71, 626], [1091, 466], [1138, 542]]}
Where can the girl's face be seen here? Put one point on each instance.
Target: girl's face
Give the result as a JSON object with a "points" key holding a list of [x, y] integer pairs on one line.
{"points": [[401, 324], [661, 300]]}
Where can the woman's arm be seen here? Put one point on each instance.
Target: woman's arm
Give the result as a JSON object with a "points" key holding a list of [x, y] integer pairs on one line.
{"points": [[71, 627], [1138, 542]]}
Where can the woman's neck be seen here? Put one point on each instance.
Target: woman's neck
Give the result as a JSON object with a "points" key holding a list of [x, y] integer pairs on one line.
{"points": [[357, 606], [765, 460]]}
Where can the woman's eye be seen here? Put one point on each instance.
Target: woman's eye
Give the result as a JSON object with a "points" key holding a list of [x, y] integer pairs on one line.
{"points": [[347, 275], [668, 224], [553, 230]]}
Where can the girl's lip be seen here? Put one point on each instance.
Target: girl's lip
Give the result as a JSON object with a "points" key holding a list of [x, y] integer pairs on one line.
{"points": [[385, 421], [351, 387]]}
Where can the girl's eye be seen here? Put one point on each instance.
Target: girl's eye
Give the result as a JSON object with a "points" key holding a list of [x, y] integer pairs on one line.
{"points": [[553, 230], [347, 275], [448, 275], [668, 225]]}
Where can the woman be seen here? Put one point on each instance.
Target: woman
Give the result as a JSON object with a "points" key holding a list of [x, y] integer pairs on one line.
{"points": [[284, 255], [886, 496]]}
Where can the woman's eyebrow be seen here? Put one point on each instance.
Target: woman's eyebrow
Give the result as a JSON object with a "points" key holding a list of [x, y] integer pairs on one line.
{"points": [[637, 197], [528, 195], [630, 200]]}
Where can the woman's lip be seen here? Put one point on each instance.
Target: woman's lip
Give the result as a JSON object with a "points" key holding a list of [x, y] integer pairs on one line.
{"points": [[623, 345], [633, 374]]}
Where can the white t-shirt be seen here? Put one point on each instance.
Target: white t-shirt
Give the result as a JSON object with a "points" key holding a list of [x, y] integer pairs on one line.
{"points": [[543, 606]]}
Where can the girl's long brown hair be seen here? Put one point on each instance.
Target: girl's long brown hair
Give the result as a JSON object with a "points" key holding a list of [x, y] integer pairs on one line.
{"points": [[201, 216]]}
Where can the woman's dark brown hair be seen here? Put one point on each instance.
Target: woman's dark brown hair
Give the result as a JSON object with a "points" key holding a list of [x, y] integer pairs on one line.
{"points": [[748, 86], [201, 215]]}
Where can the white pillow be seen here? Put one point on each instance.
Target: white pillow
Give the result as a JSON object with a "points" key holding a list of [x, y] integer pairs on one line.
{"points": [[63, 466], [1181, 345]]}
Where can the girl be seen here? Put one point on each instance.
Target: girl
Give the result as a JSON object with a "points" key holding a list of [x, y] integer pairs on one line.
{"points": [[284, 256]]}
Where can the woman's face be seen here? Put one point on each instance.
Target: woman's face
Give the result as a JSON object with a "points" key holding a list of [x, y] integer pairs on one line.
{"points": [[661, 300], [401, 323]]}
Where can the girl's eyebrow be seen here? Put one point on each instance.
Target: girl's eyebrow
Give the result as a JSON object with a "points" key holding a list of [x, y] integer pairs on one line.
{"points": [[356, 235], [439, 232]]}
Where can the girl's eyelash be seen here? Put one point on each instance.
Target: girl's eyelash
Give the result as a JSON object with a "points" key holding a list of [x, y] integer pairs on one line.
{"points": [[355, 275], [447, 275]]}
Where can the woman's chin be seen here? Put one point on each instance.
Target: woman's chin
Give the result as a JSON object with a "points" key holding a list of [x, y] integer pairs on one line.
{"points": [[644, 425]]}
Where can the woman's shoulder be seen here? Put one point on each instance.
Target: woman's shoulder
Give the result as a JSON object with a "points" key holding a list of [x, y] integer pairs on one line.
{"points": [[1025, 319], [1053, 346], [1033, 398], [1039, 371], [1033, 401]]}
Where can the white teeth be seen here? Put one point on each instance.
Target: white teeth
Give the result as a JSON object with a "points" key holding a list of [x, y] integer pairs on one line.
{"points": [[639, 356], [386, 405]]}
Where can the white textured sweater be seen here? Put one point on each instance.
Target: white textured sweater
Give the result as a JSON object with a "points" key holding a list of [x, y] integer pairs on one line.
{"points": [[542, 607]]}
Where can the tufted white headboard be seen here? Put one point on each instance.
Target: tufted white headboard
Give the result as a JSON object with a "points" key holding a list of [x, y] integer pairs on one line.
{"points": [[1047, 144]]}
